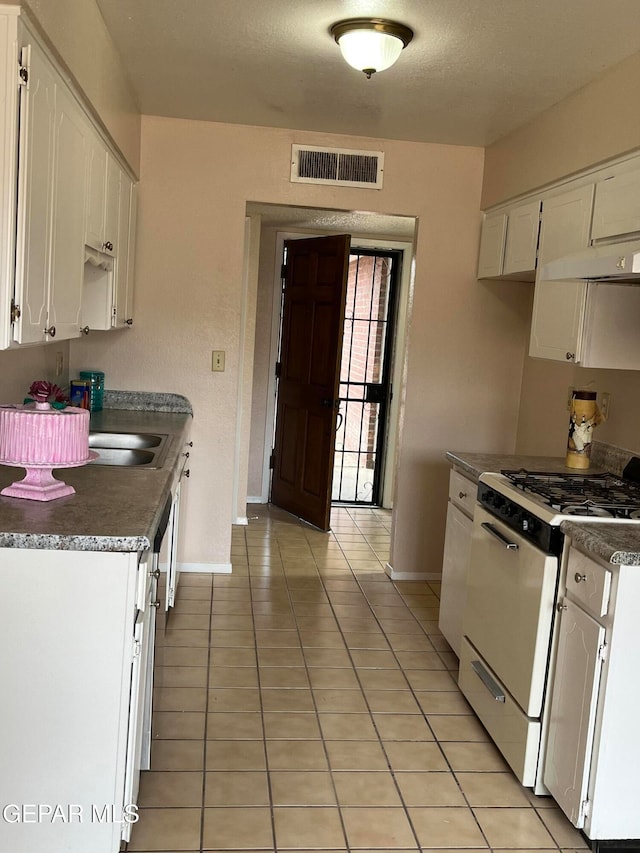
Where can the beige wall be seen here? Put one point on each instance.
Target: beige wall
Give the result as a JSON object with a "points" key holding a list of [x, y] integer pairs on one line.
{"points": [[78, 33], [20, 367], [597, 123], [465, 352], [593, 125]]}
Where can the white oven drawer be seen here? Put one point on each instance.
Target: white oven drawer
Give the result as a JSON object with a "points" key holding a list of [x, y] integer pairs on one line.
{"points": [[588, 582], [463, 492], [516, 736]]}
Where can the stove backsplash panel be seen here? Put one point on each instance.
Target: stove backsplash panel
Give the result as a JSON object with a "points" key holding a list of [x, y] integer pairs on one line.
{"points": [[609, 457]]}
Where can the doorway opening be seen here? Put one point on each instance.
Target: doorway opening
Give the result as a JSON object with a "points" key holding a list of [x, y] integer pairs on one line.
{"points": [[365, 390], [276, 224]]}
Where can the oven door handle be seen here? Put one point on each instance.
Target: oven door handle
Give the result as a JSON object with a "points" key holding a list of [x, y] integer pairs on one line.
{"points": [[490, 683], [510, 546]]}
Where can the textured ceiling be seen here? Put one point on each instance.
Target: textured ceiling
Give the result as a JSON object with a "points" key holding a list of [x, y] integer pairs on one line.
{"points": [[475, 70]]}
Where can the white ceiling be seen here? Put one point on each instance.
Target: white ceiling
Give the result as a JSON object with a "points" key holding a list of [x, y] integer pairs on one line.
{"points": [[475, 70]]}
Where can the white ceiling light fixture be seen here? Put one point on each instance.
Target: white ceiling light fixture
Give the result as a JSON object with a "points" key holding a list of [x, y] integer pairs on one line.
{"points": [[371, 44]]}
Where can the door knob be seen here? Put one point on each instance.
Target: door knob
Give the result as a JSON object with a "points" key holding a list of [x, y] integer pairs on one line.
{"points": [[85, 330], [51, 331]]}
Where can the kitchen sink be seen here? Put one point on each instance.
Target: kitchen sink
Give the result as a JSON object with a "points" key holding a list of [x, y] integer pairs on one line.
{"points": [[129, 449]]}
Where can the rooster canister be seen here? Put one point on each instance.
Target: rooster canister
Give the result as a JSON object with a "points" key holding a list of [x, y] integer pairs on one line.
{"points": [[582, 420]]}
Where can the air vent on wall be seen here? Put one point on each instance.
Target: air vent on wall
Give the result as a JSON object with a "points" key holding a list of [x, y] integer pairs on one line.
{"points": [[338, 166]]}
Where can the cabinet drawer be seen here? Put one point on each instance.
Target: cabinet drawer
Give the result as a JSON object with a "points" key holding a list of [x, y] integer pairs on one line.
{"points": [[463, 492], [588, 582]]}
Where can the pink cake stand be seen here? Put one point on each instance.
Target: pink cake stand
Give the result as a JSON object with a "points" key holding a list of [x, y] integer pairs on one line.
{"points": [[39, 483]]}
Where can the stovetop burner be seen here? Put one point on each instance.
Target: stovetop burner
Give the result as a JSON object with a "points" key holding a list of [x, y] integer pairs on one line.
{"points": [[580, 494]]}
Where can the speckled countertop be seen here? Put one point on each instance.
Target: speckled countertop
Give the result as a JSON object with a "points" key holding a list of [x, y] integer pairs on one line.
{"points": [[618, 544], [614, 543], [114, 509], [474, 464]]}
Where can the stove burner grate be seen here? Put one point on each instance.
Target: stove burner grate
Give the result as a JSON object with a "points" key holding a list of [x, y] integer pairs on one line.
{"points": [[599, 495]]}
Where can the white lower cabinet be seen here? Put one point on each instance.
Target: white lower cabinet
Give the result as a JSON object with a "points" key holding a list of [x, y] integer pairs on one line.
{"points": [[170, 554], [455, 562], [79, 635], [592, 749]]}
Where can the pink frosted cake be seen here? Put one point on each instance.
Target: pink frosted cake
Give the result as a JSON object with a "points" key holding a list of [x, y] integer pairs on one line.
{"points": [[40, 438]]}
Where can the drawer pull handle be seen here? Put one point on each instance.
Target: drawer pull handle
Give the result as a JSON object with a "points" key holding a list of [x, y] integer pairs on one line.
{"points": [[154, 603], [510, 546], [490, 683], [578, 578], [462, 495]]}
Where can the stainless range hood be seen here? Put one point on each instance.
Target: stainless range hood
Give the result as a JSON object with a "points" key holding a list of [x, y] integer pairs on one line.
{"points": [[617, 262]]}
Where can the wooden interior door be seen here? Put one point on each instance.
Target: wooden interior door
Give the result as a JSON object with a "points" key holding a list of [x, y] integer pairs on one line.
{"points": [[315, 282]]}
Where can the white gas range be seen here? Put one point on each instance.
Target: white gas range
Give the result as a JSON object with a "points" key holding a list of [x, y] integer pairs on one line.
{"points": [[512, 589]]}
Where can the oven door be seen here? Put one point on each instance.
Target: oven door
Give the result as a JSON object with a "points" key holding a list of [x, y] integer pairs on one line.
{"points": [[509, 611]]}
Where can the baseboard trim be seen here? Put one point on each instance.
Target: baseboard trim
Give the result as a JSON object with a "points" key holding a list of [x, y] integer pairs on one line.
{"points": [[410, 576], [204, 568], [256, 500], [241, 520]]}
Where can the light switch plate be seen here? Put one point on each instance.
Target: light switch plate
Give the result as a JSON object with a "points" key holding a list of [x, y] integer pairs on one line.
{"points": [[217, 360]]}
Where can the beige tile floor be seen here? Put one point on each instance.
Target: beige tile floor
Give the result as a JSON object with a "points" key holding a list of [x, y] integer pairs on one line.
{"points": [[307, 702]]}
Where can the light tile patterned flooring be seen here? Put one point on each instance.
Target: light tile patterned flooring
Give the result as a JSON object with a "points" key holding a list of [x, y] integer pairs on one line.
{"points": [[307, 702]]}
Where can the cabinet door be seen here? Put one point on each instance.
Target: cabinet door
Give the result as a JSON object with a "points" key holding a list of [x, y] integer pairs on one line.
{"points": [[455, 563], [112, 207], [35, 195], [617, 207], [522, 239], [67, 246], [131, 254], [492, 239], [558, 306], [96, 190], [574, 695], [123, 268]]}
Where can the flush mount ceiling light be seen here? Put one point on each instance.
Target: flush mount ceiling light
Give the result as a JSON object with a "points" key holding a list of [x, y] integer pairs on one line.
{"points": [[371, 44]]}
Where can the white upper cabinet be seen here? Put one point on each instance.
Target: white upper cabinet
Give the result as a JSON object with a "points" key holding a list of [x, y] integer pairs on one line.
{"points": [[103, 198], [586, 323], [558, 306], [67, 254], [509, 243], [51, 198], [522, 240], [126, 253], [616, 211], [492, 241]]}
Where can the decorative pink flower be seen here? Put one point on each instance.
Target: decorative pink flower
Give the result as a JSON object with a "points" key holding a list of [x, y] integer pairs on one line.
{"points": [[42, 392]]}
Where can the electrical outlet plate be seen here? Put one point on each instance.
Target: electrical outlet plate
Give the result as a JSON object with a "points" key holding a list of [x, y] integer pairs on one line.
{"points": [[59, 364], [605, 404], [570, 391]]}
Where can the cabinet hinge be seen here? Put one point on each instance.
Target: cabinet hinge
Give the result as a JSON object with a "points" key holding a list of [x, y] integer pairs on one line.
{"points": [[602, 652], [137, 649], [15, 311], [585, 808], [23, 75], [272, 459]]}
